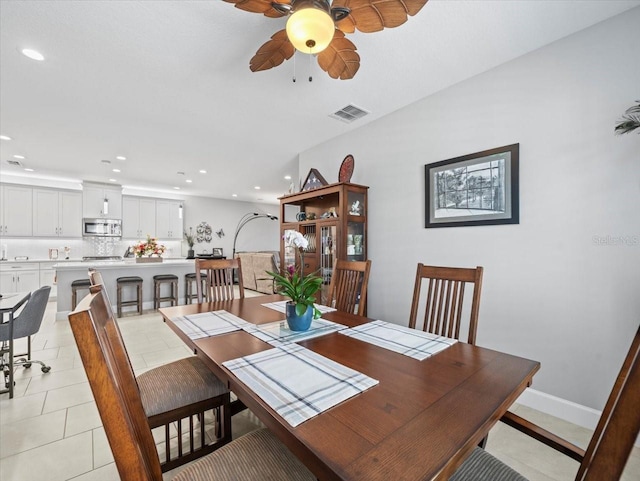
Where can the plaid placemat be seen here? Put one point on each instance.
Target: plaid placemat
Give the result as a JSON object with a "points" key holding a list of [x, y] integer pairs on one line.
{"points": [[206, 324], [277, 333], [280, 306], [298, 383], [410, 342]]}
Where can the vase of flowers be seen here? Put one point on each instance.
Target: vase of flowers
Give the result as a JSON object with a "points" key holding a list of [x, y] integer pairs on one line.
{"points": [[149, 250], [300, 310], [191, 239]]}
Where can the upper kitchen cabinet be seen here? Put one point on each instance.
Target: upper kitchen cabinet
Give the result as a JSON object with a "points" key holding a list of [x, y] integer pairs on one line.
{"points": [[16, 213], [101, 201], [169, 224], [57, 213], [138, 217]]}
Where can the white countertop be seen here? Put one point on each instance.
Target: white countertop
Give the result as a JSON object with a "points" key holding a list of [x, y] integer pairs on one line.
{"points": [[34, 260], [128, 263]]}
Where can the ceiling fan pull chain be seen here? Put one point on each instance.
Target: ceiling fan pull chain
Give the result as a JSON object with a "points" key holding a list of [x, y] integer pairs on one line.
{"points": [[310, 66], [294, 66]]}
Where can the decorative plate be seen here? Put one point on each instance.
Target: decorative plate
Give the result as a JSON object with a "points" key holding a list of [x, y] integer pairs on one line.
{"points": [[346, 169]]}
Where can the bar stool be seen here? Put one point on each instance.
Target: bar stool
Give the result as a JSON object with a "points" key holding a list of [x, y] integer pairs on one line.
{"points": [[189, 292], [157, 286], [79, 284], [126, 282]]}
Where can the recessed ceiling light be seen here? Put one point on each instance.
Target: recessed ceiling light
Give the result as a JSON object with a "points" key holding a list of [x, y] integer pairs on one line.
{"points": [[32, 54], [188, 181], [287, 177], [257, 187], [177, 188], [234, 195], [5, 137], [112, 180], [21, 157], [117, 171], [121, 157], [203, 171], [28, 169]]}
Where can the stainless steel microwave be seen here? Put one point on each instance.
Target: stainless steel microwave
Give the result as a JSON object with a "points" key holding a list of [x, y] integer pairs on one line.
{"points": [[101, 227]]}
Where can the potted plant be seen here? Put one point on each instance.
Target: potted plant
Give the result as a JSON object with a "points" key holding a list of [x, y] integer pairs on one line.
{"points": [[191, 239], [630, 120], [300, 310]]}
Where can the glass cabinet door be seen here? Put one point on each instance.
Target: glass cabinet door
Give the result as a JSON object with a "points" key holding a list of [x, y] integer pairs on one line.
{"points": [[328, 241], [356, 242]]}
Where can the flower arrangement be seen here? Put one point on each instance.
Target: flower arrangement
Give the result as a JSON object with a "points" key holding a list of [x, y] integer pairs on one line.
{"points": [[293, 283], [149, 248]]}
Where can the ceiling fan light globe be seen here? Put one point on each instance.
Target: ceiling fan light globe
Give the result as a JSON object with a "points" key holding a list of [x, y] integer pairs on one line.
{"points": [[310, 30]]}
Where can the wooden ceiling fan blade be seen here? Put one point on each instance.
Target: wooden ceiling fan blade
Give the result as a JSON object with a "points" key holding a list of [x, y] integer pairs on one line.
{"points": [[340, 59], [374, 15], [260, 6], [272, 53]]}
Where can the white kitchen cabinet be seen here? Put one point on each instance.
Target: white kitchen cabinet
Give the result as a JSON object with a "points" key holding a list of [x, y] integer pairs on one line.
{"points": [[48, 278], [93, 201], [138, 217], [20, 277], [16, 213], [169, 223], [57, 213]]}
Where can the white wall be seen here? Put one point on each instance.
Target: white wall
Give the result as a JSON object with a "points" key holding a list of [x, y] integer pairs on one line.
{"points": [[551, 291], [258, 235]]}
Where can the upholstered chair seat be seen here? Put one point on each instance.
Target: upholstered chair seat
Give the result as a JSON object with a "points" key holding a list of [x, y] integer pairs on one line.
{"points": [[177, 384], [481, 466], [256, 455]]}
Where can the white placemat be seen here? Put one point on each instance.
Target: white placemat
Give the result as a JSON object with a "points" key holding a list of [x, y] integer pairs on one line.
{"points": [[298, 383], [410, 342], [280, 306], [277, 333], [206, 324]]}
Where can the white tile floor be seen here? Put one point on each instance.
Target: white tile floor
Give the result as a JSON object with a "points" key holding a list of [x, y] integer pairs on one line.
{"points": [[51, 430]]}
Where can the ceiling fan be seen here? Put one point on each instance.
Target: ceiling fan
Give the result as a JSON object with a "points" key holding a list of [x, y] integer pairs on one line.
{"points": [[317, 27]]}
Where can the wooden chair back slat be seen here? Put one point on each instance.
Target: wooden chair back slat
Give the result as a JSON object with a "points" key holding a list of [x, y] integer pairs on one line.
{"points": [[444, 300], [619, 425], [114, 388], [348, 287], [214, 279]]}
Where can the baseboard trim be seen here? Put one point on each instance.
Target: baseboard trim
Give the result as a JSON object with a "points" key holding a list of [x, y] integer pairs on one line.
{"points": [[561, 408]]}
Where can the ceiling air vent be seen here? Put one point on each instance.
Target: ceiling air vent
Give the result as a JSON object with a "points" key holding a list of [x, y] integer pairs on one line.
{"points": [[349, 113], [15, 163]]}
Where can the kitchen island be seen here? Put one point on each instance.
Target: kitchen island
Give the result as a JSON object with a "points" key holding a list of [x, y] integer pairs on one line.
{"points": [[67, 272]]}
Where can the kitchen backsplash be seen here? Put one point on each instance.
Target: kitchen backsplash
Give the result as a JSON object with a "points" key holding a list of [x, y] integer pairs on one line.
{"points": [[95, 246]]}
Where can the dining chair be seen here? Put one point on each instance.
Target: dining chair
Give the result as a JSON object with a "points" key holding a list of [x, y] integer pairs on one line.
{"points": [[25, 324], [216, 277], [608, 450], [444, 303], [257, 455], [178, 392], [348, 287]]}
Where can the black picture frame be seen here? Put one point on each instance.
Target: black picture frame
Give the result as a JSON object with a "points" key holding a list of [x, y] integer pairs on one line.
{"points": [[217, 252], [475, 189]]}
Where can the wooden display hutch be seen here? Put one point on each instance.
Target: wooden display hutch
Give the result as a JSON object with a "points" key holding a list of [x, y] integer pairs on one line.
{"points": [[333, 219]]}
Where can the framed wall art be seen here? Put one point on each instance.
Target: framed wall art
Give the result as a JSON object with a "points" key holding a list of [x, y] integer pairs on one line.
{"points": [[475, 189]]}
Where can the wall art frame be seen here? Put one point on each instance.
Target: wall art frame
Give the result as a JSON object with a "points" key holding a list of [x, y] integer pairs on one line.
{"points": [[475, 189]]}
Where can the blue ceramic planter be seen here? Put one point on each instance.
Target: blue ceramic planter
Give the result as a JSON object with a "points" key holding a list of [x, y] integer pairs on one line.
{"points": [[298, 323]]}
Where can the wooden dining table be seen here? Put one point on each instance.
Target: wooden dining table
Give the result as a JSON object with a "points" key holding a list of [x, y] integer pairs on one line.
{"points": [[419, 423]]}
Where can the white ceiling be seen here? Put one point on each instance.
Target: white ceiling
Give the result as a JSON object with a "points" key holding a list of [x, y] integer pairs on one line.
{"points": [[167, 84]]}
